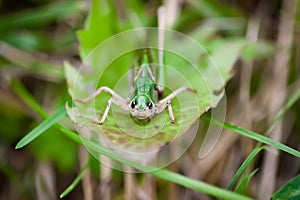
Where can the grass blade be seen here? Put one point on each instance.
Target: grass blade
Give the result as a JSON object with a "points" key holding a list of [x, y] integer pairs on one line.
{"points": [[291, 101], [262, 139], [254, 136], [41, 128], [240, 188], [245, 164], [197, 185], [75, 182]]}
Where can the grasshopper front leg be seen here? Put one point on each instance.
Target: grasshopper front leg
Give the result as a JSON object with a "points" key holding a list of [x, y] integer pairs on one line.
{"points": [[161, 106], [166, 102], [115, 98]]}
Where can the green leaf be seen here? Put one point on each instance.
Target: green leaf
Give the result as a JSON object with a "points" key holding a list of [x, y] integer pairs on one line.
{"points": [[107, 62], [99, 26], [107, 66], [290, 191], [41, 128]]}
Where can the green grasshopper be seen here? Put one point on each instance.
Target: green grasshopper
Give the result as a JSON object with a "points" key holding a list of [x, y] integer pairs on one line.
{"points": [[145, 101]]}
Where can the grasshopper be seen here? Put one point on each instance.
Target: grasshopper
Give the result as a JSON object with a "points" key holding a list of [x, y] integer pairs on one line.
{"points": [[145, 101]]}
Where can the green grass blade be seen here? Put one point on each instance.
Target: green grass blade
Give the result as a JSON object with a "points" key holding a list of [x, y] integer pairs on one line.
{"points": [[245, 164], [240, 188], [291, 101], [75, 182], [70, 134], [197, 185], [255, 136], [41, 128], [263, 139]]}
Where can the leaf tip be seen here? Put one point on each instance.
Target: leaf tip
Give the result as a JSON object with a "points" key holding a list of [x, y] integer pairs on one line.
{"points": [[18, 146]]}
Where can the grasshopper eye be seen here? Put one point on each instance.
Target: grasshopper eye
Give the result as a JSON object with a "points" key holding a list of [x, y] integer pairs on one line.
{"points": [[150, 105], [133, 104]]}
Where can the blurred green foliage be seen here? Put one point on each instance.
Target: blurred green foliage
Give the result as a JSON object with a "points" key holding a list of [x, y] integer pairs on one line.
{"points": [[36, 36], [53, 145]]}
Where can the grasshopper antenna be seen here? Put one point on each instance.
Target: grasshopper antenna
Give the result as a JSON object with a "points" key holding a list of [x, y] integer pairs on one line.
{"points": [[161, 13]]}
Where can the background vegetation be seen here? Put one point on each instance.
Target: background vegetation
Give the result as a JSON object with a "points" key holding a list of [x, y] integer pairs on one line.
{"points": [[37, 36]]}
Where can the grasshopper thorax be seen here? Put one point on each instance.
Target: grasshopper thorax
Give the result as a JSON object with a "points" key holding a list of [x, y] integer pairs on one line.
{"points": [[142, 107]]}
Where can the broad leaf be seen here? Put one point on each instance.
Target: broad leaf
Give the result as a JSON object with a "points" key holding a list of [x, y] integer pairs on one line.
{"points": [[290, 191], [188, 65]]}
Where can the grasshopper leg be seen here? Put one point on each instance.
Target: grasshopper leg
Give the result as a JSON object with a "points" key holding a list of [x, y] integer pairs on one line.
{"points": [[166, 102], [161, 106], [175, 93], [105, 113], [115, 98], [161, 13], [171, 111]]}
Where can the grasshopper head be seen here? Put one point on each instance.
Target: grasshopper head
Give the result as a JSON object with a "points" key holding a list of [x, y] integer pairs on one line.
{"points": [[142, 107]]}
